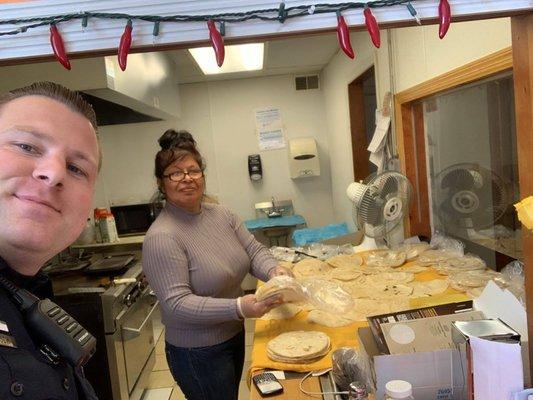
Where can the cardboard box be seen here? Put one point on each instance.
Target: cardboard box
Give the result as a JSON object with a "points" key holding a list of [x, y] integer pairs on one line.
{"points": [[377, 321], [435, 375], [438, 375], [425, 334]]}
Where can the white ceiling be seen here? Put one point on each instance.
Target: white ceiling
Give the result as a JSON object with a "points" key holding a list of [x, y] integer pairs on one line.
{"points": [[283, 56]]}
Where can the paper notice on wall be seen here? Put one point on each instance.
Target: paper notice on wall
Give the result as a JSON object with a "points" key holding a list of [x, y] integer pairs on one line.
{"points": [[269, 128]]}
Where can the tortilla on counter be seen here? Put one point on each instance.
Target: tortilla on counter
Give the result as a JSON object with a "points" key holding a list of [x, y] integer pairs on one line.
{"points": [[310, 267], [345, 261]]}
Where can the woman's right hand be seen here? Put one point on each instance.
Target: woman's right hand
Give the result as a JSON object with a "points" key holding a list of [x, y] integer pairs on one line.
{"points": [[251, 308]]}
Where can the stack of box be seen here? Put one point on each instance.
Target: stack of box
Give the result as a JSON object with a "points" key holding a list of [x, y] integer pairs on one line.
{"points": [[420, 347]]}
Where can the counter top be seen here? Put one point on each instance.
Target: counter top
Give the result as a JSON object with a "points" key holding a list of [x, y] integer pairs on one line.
{"points": [[125, 240], [345, 336], [287, 221]]}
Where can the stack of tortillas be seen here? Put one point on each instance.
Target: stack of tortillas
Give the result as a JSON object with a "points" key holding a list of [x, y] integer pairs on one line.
{"points": [[298, 347], [284, 287]]}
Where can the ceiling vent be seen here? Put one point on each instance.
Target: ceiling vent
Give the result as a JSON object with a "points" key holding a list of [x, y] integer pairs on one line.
{"points": [[306, 82]]}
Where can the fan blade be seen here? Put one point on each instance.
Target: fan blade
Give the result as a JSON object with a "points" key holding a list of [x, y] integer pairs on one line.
{"points": [[458, 179]]}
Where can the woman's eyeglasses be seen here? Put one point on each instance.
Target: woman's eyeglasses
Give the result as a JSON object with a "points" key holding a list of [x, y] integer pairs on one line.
{"points": [[178, 176]]}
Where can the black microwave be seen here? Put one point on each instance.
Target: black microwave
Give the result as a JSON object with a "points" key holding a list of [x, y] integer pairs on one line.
{"points": [[134, 219]]}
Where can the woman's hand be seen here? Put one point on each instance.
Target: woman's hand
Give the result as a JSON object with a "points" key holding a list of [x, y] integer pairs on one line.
{"points": [[279, 270], [251, 308]]}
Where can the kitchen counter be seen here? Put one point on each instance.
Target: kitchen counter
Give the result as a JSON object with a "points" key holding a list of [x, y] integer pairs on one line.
{"points": [[132, 241], [345, 336]]}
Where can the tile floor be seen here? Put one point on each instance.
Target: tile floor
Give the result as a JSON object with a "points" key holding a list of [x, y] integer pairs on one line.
{"points": [[161, 385]]}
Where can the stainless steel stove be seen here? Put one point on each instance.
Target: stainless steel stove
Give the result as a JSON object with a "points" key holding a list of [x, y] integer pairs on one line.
{"points": [[120, 316]]}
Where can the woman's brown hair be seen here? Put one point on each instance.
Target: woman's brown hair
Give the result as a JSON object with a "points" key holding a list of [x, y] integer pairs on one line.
{"points": [[175, 146]]}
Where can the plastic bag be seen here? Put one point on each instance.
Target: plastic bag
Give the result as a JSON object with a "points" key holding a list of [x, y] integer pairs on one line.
{"points": [[322, 294], [349, 365], [513, 275], [285, 287], [284, 254], [327, 296], [323, 251], [442, 242]]}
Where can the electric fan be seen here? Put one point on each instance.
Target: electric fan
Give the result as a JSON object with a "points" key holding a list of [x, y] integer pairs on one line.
{"points": [[469, 196], [380, 203]]}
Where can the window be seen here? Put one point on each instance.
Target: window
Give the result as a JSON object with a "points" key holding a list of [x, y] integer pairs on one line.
{"points": [[472, 164]]}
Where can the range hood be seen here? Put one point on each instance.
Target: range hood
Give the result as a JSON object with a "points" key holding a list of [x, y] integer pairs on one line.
{"points": [[146, 91], [109, 113]]}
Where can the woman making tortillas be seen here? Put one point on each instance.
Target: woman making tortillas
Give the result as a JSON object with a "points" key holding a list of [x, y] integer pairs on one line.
{"points": [[195, 256]]}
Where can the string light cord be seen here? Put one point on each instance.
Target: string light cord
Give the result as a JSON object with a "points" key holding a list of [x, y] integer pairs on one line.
{"points": [[270, 14], [216, 24]]}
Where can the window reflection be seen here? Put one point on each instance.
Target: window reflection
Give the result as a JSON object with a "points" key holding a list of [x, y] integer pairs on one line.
{"points": [[473, 168]]}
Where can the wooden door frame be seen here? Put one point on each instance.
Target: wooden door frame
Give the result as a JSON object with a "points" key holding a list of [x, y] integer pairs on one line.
{"points": [[358, 125], [522, 36], [410, 134]]}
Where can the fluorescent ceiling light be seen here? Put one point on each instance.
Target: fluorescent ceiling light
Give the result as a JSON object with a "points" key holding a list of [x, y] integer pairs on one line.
{"points": [[240, 57]]}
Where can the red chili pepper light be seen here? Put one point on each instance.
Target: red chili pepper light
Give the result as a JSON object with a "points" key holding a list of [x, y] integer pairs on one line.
{"points": [[124, 46], [372, 27], [343, 35], [217, 41], [59, 48], [445, 17]]}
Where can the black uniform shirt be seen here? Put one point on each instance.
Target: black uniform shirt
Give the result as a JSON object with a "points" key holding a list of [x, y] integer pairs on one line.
{"points": [[25, 373]]}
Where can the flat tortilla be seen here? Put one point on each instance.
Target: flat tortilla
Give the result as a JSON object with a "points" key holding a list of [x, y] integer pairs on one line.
{"points": [[284, 311], [345, 261], [310, 267]]}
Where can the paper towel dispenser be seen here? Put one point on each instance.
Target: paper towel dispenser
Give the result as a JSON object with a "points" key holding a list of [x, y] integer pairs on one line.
{"points": [[303, 158]]}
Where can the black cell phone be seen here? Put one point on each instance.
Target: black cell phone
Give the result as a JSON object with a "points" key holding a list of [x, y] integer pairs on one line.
{"points": [[267, 384]]}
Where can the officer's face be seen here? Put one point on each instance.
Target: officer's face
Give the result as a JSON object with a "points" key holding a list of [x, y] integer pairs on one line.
{"points": [[48, 169]]}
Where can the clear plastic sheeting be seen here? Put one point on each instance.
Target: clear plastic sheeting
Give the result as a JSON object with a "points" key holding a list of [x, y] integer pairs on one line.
{"points": [[349, 365], [442, 242], [316, 250], [322, 294], [324, 251], [285, 253], [328, 296], [513, 276]]}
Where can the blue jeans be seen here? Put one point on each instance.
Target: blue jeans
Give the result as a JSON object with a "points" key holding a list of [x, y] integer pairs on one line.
{"points": [[208, 373]]}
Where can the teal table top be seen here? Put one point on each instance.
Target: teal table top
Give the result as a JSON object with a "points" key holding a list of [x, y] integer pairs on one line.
{"points": [[289, 220]]}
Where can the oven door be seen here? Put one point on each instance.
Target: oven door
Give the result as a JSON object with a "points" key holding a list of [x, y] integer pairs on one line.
{"points": [[137, 335]]}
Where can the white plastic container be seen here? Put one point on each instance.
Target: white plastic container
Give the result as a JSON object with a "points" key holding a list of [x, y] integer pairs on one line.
{"points": [[88, 235], [398, 390]]}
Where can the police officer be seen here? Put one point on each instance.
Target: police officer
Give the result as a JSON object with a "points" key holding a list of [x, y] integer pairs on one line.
{"points": [[49, 161]]}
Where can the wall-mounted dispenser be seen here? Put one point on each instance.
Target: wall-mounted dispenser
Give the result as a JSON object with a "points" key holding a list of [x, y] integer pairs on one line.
{"points": [[303, 158], [255, 170]]}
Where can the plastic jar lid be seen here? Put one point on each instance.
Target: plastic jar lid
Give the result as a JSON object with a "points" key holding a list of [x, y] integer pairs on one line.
{"points": [[398, 389]]}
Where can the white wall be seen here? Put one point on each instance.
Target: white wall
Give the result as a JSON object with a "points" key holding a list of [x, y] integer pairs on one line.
{"points": [[417, 56], [420, 55], [336, 77], [220, 115]]}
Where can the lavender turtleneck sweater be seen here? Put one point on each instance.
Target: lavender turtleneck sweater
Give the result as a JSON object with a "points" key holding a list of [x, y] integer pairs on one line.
{"points": [[195, 264]]}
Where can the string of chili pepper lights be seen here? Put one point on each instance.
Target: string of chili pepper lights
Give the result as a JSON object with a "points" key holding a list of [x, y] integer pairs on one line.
{"points": [[216, 35]]}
